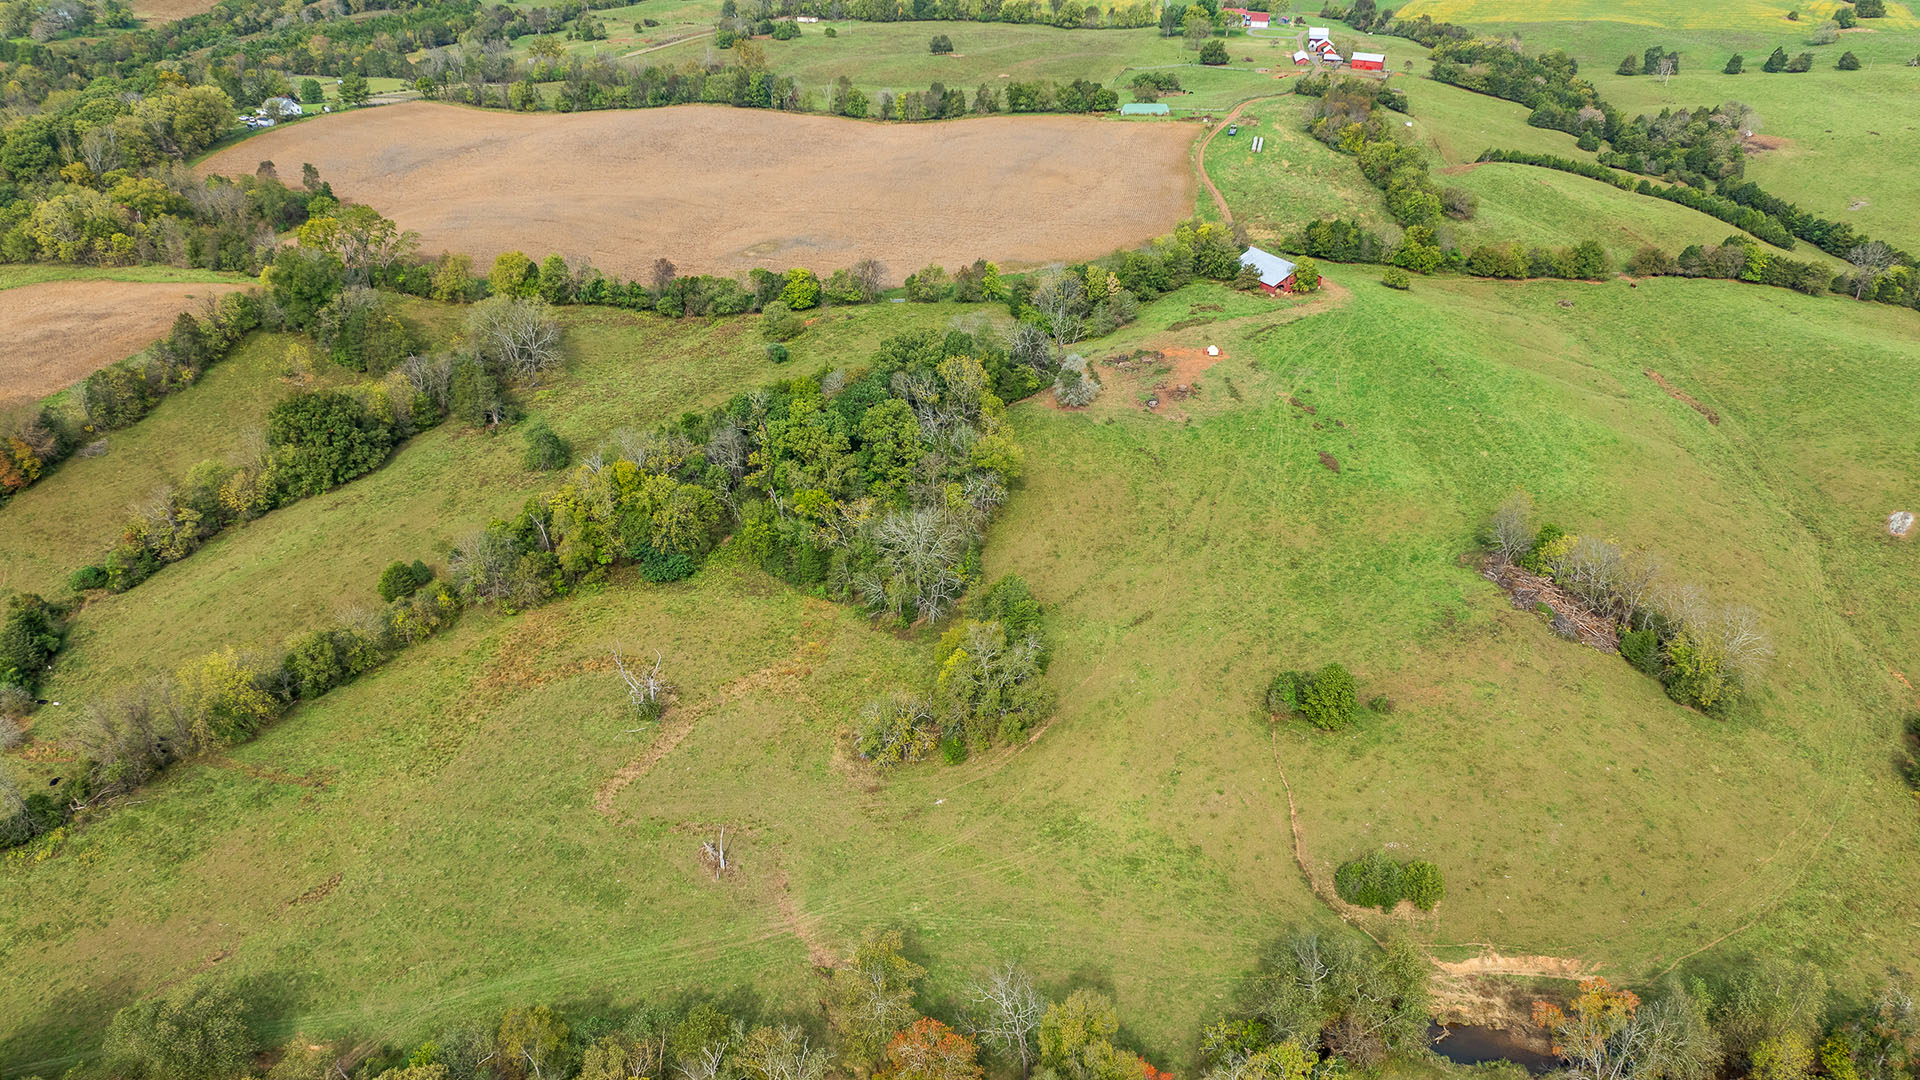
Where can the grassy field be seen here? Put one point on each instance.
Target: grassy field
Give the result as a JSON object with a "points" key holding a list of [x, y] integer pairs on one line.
{"points": [[436, 821], [1545, 208], [14, 275], [1295, 178], [1846, 131]]}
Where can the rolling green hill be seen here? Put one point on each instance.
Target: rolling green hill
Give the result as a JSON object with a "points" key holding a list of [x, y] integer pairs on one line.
{"points": [[426, 842]]}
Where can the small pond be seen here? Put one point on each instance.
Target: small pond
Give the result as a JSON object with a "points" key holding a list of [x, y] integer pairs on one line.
{"points": [[1466, 1044]]}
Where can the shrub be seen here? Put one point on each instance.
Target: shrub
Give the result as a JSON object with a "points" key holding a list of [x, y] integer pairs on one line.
{"points": [[1327, 701], [323, 439], [778, 323], [1421, 884], [87, 577], [940, 45], [403, 579], [777, 353], [545, 450], [221, 699], [198, 1032], [29, 638], [1381, 704], [1697, 675], [896, 730], [1848, 61], [1214, 53], [1734, 64], [1396, 278], [663, 566], [1283, 692], [801, 290], [1641, 648], [1374, 880], [1549, 544]]}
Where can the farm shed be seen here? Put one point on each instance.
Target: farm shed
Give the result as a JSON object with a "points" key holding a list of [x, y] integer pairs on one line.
{"points": [[1317, 34], [1276, 273], [1249, 19], [1300, 56], [1368, 61], [279, 106], [1141, 108]]}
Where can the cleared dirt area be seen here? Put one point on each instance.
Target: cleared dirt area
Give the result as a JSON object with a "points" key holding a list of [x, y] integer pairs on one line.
{"points": [[721, 190], [59, 332]]}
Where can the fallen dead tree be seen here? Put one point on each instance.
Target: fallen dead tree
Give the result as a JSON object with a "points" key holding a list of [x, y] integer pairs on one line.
{"points": [[1571, 619]]}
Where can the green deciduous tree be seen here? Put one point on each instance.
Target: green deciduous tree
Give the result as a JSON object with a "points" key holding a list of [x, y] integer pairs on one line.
{"points": [[198, 1032], [872, 997]]}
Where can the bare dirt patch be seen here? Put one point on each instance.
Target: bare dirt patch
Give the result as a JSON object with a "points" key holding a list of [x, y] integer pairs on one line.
{"points": [[720, 190], [1684, 398], [1760, 144], [59, 332]]}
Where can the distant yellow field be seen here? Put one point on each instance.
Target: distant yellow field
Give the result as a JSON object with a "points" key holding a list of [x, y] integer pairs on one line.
{"points": [[1708, 15]]}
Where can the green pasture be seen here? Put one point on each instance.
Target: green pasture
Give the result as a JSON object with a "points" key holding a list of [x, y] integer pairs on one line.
{"points": [[424, 845], [1851, 136], [1546, 208], [14, 275], [1294, 179], [1849, 133]]}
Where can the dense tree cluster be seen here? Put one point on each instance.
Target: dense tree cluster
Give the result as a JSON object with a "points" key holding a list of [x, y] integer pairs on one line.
{"points": [[1346, 117], [1690, 145]]}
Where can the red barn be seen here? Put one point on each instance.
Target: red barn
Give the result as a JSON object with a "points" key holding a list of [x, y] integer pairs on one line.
{"points": [[1276, 273], [1369, 61]]}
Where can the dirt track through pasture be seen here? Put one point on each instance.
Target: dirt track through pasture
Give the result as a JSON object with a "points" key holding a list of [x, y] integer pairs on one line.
{"points": [[59, 332], [721, 190]]}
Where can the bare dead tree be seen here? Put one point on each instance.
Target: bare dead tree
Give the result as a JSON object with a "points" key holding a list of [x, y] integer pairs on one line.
{"points": [[1009, 1013], [870, 275], [1512, 526], [1869, 260], [645, 688], [1666, 67], [1061, 301], [715, 852], [521, 335]]}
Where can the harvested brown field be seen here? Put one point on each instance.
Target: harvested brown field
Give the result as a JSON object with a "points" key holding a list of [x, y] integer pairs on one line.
{"points": [[722, 190], [59, 332], [155, 12]]}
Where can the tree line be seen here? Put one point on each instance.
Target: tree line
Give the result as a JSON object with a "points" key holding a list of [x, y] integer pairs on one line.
{"points": [[1316, 1004]]}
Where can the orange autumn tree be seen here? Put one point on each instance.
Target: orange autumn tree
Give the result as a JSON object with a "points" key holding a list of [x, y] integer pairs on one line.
{"points": [[1587, 1033], [930, 1050]]}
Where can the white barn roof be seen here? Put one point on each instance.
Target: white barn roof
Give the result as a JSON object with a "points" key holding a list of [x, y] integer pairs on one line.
{"points": [[1273, 269], [1318, 33]]}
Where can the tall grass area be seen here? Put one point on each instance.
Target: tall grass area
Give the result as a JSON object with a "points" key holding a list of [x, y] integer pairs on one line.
{"points": [[423, 845]]}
